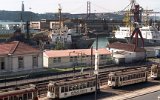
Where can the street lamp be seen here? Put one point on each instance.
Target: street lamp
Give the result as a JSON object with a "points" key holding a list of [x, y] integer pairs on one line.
{"points": [[96, 66]]}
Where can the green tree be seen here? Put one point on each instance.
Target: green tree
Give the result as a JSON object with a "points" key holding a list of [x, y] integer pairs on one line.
{"points": [[59, 46]]}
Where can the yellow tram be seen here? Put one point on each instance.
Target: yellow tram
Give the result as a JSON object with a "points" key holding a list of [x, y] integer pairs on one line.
{"points": [[68, 88], [127, 77]]}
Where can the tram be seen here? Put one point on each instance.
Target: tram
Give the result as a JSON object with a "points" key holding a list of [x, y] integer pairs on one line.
{"points": [[68, 88], [27, 93], [155, 71], [127, 77]]}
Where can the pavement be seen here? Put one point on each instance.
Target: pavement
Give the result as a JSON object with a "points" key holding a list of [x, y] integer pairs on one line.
{"points": [[134, 94]]}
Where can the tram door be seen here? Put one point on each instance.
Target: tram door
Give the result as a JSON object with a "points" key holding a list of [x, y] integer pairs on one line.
{"points": [[116, 81], [57, 92]]}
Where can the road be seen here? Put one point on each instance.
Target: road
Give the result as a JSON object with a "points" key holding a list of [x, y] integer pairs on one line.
{"points": [[150, 96]]}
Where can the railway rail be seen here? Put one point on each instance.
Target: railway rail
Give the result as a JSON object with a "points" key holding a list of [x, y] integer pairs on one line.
{"points": [[42, 82]]}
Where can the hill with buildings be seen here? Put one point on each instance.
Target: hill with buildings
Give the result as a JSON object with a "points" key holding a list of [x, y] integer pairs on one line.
{"points": [[27, 15]]}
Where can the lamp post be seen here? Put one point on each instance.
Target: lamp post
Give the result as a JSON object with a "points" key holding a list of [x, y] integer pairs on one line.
{"points": [[96, 66]]}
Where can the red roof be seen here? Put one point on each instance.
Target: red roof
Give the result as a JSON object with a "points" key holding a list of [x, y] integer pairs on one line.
{"points": [[126, 47], [73, 52], [16, 47]]}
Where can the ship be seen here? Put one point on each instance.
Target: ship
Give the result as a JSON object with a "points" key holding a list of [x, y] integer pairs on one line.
{"points": [[150, 35]]}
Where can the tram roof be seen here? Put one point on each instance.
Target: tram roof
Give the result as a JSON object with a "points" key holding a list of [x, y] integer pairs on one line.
{"points": [[73, 81], [128, 71]]}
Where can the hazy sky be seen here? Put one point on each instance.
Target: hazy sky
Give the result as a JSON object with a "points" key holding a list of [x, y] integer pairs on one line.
{"points": [[75, 6]]}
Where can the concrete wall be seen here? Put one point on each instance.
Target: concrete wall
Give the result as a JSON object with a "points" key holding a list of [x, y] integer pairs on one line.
{"points": [[28, 62], [7, 65], [129, 57], [65, 61]]}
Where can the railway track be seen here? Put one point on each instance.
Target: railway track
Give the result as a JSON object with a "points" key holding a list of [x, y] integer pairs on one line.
{"points": [[42, 83], [103, 80]]}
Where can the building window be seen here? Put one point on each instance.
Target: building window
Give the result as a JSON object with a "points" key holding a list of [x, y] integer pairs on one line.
{"points": [[71, 59], [75, 58], [57, 60], [35, 61], [103, 57], [20, 62], [2, 63]]}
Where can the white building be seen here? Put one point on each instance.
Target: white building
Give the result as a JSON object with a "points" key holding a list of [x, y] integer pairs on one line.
{"points": [[126, 53], [75, 57], [17, 56]]}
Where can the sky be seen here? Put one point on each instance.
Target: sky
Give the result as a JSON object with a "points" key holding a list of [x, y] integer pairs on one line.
{"points": [[75, 6]]}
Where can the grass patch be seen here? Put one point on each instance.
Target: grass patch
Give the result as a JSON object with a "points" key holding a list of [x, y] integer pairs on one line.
{"points": [[67, 69]]}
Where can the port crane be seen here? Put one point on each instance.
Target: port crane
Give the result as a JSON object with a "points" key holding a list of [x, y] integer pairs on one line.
{"points": [[135, 18]]}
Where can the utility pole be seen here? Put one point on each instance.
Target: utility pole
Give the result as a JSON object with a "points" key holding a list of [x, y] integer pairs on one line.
{"points": [[91, 60], [96, 66]]}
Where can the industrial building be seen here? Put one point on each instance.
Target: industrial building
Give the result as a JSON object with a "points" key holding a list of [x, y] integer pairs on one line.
{"points": [[74, 57]]}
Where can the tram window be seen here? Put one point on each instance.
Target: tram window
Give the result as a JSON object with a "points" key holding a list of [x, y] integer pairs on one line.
{"points": [[66, 88], [10, 98], [29, 95], [137, 76], [113, 79], [52, 89], [5, 98], [20, 98], [134, 75], [88, 84], [144, 74], [49, 88], [129, 77], [77, 87], [84, 85], [70, 88], [15, 98], [125, 78], [94, 83], [62, 89], [25, 96], [81, 86], [121, 78]]}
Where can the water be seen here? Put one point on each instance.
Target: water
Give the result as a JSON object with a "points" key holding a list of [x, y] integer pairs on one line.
{"points": [[102, 42]]}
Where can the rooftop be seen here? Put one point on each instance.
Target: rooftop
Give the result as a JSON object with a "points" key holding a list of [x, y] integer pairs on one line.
{"points": [[73, 52], [15, 48], [126, 47]]}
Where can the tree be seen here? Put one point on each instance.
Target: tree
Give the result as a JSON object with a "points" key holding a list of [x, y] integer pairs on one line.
{"points": [[59, 46]]}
